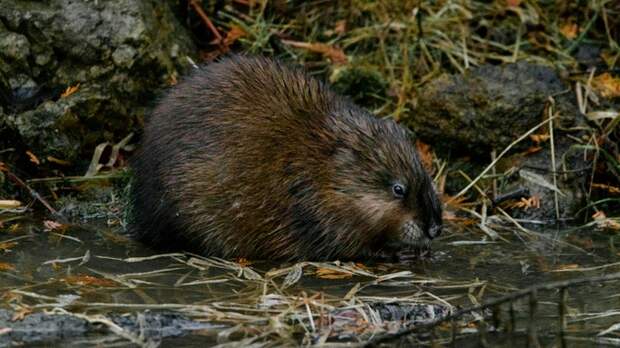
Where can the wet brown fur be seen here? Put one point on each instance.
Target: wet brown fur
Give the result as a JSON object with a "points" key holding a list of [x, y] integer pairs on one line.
{"points": [[250, 158]]}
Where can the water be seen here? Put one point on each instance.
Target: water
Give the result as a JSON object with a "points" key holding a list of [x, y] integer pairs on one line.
{"points": [[91, 268]]}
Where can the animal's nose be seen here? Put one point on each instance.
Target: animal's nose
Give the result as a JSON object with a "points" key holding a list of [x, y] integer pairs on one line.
{"points": [[434, 231]]}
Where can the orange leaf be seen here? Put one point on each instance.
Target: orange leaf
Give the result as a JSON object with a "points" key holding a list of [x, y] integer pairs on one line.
{"points": [[243, 262], [70, 90], [5, 246], [607, 85], [513, 3], [21, 313], [599, 215], [569, 30], [341, 26], [539, 138], [336, 55], [328, 273], [609, 188], [6, 266], [532, 149], [58, 161], [233, 35], [50, 225], [86, 280], [33, 158]]}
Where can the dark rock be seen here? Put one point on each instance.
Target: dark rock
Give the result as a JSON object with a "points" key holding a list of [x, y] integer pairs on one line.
{"points": [[366, 87], [535, 173], [488, 107], [118, 52], [55, 329]]}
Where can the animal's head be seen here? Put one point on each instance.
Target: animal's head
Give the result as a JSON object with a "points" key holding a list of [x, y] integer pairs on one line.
{"points": [[380, 179]]}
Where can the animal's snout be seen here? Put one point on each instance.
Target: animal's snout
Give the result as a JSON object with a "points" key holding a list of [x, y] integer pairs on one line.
{"points": [[434, 231]]}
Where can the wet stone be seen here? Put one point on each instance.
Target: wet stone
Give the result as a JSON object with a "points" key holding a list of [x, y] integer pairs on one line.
{"points": [[490, 106]]}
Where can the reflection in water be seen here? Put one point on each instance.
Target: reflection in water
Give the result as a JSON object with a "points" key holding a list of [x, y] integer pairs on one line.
{"points": [[93, 269]]}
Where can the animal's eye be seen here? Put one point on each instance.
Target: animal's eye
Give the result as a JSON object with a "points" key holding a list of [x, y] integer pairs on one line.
{"points": [[398, 190]]}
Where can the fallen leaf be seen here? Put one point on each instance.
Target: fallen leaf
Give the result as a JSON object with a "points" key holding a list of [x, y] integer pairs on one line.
{"points": [[233, 35], [328, 273], [58, 161], [172, 80], [608, 188], [6, 246], [21, 313], [599, 215], [539, 138], [527, 203], [603, 222], [336, 55], [50, 225], [513, 3], [532, 150], [607, 85], [6, 266], [33, 158], [455, 203], [86, 280], [243, 262], [341, 26], [569, 30], [70, 90]]}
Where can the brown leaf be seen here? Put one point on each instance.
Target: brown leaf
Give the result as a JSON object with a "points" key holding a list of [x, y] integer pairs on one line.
{"points": [[527, 203], [608, 188], [33, 158], [172, 80], [532, 149], [50, 225], [86, 280], [243, 262], [603, 222], [233, 35], [70, 90], [6, 266], [539, 138], [341, 26], [21, 313], [569, 30], [607, 85], [336, 55], [58, 161], [328, 273], [513, 3], [6, 246]]}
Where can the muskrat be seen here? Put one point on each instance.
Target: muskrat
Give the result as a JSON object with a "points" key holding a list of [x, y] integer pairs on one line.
{"points": [[248, 157]]}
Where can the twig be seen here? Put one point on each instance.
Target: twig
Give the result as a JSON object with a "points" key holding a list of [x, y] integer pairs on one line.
{"points": [[494, 162], [34, 194], [201, 13], [491, 303], [552, 144]]}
